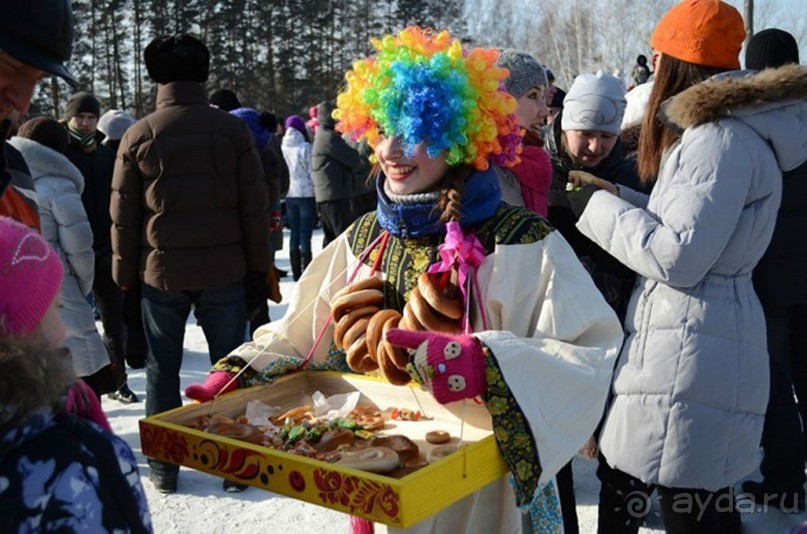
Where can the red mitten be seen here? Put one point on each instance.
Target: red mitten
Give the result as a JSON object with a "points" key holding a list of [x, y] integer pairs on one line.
{"points": [[82, 402], [216, 384], [452, 366]]}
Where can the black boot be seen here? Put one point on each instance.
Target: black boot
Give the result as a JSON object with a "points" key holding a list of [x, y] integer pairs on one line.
{"points": [[296, 268], [306, 259]]}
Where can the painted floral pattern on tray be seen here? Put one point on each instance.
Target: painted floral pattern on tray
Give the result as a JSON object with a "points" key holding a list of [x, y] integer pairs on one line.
{"points": [[361, 496], [164, 443], [242, 463]]}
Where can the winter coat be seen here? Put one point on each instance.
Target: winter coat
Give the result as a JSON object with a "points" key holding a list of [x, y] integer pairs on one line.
{"points": [[283, 168], [614, 279], [333, 162], [554, 346], [271, 173], [96, 167], [65, 474], [691, 384], [297, 153], [190, 204], [59, 473], [59, 185], [779, 276]]}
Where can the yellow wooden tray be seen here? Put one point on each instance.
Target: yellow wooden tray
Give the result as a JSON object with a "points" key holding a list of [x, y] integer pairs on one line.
{"points": [[396, 502]]}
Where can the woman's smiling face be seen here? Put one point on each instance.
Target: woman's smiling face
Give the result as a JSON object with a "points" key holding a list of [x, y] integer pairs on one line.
{"points": [[409, 175], [531, 108]]}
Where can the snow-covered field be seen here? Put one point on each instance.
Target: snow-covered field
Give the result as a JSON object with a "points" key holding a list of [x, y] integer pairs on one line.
{"points": [[201, 505]]}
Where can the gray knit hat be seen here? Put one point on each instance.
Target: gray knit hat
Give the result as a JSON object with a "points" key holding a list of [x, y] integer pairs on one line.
{"points": [[114, 123], [525, 71], [594, 102]]}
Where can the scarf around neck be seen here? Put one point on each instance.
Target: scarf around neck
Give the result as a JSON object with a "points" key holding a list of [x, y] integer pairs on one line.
{"points": [[87, 141], [411, 216]]}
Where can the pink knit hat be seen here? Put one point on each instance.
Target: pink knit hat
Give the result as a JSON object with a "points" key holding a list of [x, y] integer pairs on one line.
{"points": [[30, 278]]}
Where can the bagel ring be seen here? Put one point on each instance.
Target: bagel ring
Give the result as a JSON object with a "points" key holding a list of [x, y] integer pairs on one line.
{"points": [[437, 299], [356, 299], [398, 356], [239, 431], [348, 320], [428, 316], [334, 438], [356, 330], [392, 373], [440, 452], [438, 437], [357, 356], [372, 459], [371, 282], [407, 449], [409, 321], [375, 330]]}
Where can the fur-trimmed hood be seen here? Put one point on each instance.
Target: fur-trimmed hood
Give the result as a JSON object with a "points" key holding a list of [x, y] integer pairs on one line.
{"points": [[33, 377], [773, 102], [46, 162]]}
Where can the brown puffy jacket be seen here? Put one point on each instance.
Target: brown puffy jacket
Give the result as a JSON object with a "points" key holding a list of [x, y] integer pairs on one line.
{"points": [[190, 205]]}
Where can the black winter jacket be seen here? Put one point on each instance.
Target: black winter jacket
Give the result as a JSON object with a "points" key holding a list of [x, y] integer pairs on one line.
{"points": [[96, 167], [333, 161], [778, 277], [613, 279]]}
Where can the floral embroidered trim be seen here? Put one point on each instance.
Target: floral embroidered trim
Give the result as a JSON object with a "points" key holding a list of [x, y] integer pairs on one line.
{"points": [[512, 431]]}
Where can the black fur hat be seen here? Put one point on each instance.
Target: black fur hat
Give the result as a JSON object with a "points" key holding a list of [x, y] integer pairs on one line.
{"points": [[177, 58], [225, 99]]}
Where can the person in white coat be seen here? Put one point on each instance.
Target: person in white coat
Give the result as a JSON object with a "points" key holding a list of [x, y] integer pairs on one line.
{"points": [[540, 342], [301, 209], [691, 385], [42, 142]]}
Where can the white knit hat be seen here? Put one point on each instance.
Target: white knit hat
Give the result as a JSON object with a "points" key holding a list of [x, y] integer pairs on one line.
{"points": [[594, 102], [114, 123]]}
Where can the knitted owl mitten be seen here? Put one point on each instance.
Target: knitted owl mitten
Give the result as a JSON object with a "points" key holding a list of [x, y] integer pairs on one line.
{"points": [[216, 384], [451, 366]]}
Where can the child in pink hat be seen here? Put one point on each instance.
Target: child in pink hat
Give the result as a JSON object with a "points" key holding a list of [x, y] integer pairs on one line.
{"points": [[94, 468], [30, 280]]}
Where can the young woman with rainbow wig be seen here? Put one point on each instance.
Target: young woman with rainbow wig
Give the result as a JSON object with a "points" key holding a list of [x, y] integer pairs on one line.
{"points": [[538, 343]]}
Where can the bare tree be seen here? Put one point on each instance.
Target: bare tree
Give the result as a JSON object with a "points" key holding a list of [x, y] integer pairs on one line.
{"points": [[749, 20]]}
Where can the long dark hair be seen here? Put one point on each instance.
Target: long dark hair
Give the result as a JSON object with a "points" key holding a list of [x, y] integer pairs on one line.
{"points": [[671, 77]]}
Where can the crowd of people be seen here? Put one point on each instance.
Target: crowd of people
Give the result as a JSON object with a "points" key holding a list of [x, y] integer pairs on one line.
{"points": [[635, 292]]}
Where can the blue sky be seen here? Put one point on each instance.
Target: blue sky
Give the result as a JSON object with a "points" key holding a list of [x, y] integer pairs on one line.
{"points": [[788, 15]]}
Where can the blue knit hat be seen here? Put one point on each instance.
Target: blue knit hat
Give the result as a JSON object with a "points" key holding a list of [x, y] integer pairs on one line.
{"points": [[253, 120]]}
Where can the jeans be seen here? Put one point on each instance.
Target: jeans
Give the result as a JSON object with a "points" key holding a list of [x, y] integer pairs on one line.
{"points": [[135, 336], [782, 437], [302, 214], [624, 504], [222, 315]]}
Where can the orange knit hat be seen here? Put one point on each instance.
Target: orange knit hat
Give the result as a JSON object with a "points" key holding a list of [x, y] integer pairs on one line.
{"points": [[704, 32]]}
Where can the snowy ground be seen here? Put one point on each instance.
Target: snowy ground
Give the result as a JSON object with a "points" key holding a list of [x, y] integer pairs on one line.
{"points": [[200, 504]]}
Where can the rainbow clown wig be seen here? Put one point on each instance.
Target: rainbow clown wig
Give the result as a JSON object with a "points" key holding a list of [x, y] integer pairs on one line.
{"points": [[421, 86]]}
